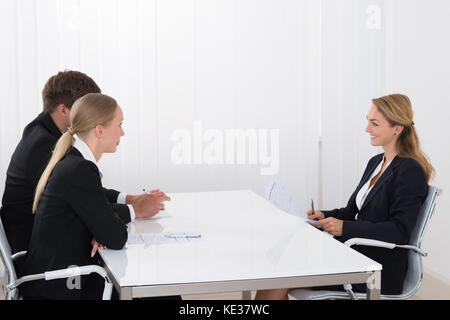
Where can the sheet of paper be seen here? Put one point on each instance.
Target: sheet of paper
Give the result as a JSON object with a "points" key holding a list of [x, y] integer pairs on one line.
{"points": [[158, 238], [277, 194]]}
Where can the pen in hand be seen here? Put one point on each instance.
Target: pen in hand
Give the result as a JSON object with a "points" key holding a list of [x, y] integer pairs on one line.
{"points": [[313, 220]]}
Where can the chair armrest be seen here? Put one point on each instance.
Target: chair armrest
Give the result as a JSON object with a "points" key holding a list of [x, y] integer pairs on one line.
{"points": [[369, 243], [74, 272], [382, 244], [18, 255], [67, 273]]}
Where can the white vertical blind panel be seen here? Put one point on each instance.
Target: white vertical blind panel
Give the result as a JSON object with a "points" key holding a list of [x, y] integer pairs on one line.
{"points": [[278, 87], [175, 54], [109, 47], [129, 93], [10, 129], [214, 94], [312, 97], [48, 42], [90, 33], [69, 34], [28, 92], [244, 105], [148, 112], [351, 78]]}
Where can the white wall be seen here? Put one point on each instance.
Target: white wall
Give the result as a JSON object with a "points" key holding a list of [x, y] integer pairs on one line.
{"points": [[417, 64]]}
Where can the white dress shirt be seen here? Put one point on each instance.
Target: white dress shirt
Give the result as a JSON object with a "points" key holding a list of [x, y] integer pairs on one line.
{"points": [[87, 154], [365, 190]]}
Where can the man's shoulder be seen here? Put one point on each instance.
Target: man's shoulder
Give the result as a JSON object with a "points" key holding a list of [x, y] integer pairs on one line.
{"points": [[41, 129], [36, 142]]}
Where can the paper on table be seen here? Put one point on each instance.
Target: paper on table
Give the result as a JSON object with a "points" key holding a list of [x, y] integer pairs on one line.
{"points": [[277, 194], [157, 238]]}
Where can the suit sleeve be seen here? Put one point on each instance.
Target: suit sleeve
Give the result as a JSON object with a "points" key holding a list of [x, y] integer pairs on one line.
{"points": [[347, 213], [111, 194], [122, 210], [90, 203], [410, 189]]}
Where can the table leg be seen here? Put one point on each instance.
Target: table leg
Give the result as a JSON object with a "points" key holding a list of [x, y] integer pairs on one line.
{"points": [[126, 293], [374, 286], [246, 295]]}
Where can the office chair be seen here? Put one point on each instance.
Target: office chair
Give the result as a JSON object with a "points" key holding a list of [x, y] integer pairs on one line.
{"points": [[414, 275], [11, 283]]}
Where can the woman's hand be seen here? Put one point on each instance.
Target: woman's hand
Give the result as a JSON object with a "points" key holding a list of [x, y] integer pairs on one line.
{"points": [[317, 215], [95, 246], [150, 204], [132, 199], [331, 225]]}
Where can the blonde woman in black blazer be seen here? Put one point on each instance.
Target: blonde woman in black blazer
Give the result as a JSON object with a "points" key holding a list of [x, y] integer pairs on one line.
{"points": [[386, 203], [71, 208]]}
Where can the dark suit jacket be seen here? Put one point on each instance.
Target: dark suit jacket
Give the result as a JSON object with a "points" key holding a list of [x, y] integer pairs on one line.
{"points": [[389, 214], [73, 210], [25, 169]]}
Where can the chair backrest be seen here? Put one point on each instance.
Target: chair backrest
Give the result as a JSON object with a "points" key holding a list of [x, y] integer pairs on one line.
{"points": [[6, 258], [414, 275]]}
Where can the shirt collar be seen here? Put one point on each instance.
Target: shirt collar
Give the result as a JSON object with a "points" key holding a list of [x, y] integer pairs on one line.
{"points": [[84, 149]]}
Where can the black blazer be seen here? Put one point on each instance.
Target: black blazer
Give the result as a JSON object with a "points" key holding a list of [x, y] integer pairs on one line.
{"points": [[389, 214], [25, 169], [73, 210]]}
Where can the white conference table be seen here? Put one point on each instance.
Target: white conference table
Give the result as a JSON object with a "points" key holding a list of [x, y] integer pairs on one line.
{"points": [[246, 244]]}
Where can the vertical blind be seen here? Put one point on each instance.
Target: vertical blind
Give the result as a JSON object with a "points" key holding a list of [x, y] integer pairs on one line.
{"points": [[306, 68]]}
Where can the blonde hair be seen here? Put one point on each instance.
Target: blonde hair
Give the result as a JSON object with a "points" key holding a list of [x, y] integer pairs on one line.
{"points": [[397, 110], [87, 112]]}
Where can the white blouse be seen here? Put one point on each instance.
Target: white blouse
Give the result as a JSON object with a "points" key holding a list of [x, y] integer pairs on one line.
{"points": [[365, 190]]}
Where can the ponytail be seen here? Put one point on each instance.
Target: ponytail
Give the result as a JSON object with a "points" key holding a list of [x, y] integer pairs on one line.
{"points": [[63, 145]]}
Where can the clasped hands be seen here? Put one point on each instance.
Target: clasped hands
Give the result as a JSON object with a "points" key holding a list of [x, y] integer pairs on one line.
{"points": [[145, 205], [331, 225]]}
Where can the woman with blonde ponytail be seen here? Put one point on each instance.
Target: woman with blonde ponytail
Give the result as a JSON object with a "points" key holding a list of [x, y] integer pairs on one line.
{"points": [[386, 203], [71, 207]]}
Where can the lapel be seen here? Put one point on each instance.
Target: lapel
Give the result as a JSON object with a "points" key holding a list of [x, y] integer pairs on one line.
{"points": [[384, 177], [368, 173]]}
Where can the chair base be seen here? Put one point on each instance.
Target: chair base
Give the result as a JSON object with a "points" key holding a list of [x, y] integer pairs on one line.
{"points": [[307, 294]]}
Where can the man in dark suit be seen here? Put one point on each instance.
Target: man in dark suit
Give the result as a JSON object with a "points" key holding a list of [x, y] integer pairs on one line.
{"points": [[34, 151]]}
